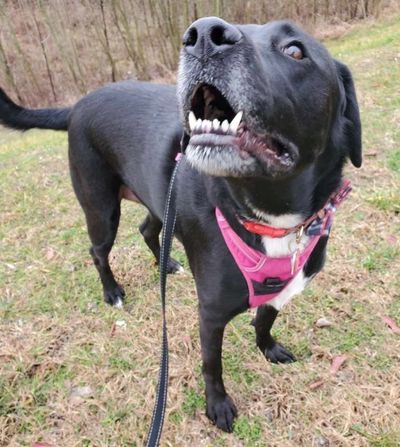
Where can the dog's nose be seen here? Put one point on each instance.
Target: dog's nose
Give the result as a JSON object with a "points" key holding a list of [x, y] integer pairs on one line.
{"points": [[209, 36]]}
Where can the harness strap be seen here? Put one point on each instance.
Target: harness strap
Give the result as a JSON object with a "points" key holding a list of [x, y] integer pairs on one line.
{"points": [[268, 276], [265, 276], [157, 421]]}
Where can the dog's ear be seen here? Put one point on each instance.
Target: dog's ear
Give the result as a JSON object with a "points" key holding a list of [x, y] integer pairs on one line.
{"points": [[349, 114]]}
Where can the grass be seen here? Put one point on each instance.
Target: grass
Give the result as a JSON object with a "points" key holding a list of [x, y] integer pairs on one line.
{"points": [[58, 336]]}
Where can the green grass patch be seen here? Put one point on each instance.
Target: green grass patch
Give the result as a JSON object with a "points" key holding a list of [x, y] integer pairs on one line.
{"points": [[175, 418], [193, 402], [248, 430], [379, 258], [394, 161], [383, 439], [386, 201]]}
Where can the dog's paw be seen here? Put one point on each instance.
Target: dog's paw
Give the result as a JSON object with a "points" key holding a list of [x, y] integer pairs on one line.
{"points": [[114, 296], [174, 266], [222, 412], [279, 354]]}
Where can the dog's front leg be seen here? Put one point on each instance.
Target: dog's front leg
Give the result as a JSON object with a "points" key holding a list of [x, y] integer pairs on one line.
{"points": [[220, 408], [272, 350]]}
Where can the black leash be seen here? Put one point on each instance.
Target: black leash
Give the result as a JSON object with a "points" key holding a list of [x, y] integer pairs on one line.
{"points": [[157, 421]]}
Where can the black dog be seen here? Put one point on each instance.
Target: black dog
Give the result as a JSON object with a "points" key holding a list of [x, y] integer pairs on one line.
{"points": [[294, 121]]}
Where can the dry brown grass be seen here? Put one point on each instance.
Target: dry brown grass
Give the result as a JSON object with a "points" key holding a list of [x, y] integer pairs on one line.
{"points": [[74, 372]]}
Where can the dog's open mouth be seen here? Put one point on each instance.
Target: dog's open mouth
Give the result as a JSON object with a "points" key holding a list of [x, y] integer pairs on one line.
{"points": [[217, 130]]}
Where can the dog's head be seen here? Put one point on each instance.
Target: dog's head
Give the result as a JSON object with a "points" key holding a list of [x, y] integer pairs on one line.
{"points": [[263, 100]]}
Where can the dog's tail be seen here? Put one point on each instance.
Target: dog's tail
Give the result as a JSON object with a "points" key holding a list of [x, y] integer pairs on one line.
{"points": [[17, 117]]}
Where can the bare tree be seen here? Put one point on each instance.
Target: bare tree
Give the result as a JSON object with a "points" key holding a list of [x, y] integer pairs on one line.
{"points": [[44, 52], [79, 44], [106, 43], [7, 70]]}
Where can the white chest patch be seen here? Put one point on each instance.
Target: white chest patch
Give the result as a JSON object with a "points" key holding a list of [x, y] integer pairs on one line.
{"points": [[287, 245], [295, 287], [284, 246]]}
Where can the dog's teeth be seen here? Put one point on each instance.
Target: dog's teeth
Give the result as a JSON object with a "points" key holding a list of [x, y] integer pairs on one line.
{"points": [[207, 126], [225, 126], [235, 122], [192, 121], [199, 123], [216, 124]]}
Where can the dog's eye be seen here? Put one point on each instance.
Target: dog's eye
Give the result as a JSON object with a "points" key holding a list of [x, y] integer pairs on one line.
{"points": [[294, 51]]}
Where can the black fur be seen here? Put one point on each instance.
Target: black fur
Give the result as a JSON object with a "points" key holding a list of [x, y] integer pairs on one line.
{"points": [[16, 117], [126, 135]]}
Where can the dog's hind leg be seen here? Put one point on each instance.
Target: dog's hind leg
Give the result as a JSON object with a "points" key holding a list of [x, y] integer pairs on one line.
{"points": [[102, 229], [272, 350], [97, 190], [150, 229]]}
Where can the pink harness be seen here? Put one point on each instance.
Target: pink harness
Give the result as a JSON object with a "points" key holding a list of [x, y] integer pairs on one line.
{"points": [[268, 276]]}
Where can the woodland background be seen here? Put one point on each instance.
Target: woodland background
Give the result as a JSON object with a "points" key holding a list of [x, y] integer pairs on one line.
{"points": [[54, 51]]}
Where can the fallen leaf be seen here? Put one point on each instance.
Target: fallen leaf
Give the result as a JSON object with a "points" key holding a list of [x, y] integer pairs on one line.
{"points": [[42, 444], [337, 362], [76, 401], [81, 391], [323, 322], [314, 385], [392, 324], [11, 266], [321, 441], [50, 253], [121, 324]]}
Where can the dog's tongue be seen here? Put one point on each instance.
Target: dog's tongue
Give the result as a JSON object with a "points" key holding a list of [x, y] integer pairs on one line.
{"points": [[266, 145]]}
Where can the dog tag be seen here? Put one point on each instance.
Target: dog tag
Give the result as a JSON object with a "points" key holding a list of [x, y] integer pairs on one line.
{"points": [[296, 255], [295, 260], [299, 235]]}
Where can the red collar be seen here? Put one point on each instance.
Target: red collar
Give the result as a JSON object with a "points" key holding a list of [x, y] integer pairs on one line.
{"points": [[266, 230]]}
